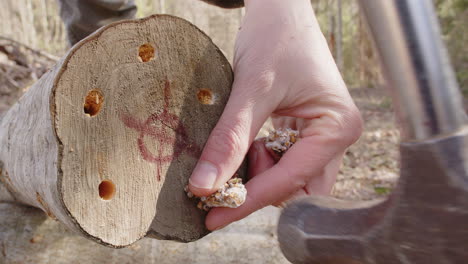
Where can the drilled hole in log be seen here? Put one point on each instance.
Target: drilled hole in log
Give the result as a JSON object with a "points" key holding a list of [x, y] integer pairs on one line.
{"points": [[205, 96], [146, 52], [93, 102], [106, 190]]}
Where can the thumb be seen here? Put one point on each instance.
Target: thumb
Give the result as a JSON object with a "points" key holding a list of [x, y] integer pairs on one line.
{"points": [[228, 142]]}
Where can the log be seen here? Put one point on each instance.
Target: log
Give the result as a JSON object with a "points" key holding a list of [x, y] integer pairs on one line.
{"points": [[106, 140], [28, 236]]}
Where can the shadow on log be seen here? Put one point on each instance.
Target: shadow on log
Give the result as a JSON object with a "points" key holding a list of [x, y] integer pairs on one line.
{"points": [[106, 140]]}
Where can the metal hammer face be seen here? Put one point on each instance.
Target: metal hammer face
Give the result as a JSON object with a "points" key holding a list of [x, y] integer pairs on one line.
{"points": [[425, 220]]}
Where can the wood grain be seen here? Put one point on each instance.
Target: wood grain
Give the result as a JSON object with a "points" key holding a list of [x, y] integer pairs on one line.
{"points": [[116, 112]]}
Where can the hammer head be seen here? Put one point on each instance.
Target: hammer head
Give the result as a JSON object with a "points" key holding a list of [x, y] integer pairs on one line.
{"points": [[424, 220]]}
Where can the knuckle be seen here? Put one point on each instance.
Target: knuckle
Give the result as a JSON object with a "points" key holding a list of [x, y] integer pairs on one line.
{"points": [[354, 125], [264, 80], [297, 177], [258, 201], [260, 83], [346, 128], [224, 141]]}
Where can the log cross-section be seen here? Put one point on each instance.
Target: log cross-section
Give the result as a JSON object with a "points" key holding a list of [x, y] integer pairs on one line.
{"points": [[106, 140]]}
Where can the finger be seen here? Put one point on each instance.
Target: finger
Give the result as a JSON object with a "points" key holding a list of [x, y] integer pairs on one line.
{"points": [[259, 158], [323, 185], [229, 141], [300, 193], [280, 121], [320, 184], [307, 157]]}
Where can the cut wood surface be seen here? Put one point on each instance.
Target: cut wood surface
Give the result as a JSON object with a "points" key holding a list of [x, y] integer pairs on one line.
{"points": [[105, 142]]}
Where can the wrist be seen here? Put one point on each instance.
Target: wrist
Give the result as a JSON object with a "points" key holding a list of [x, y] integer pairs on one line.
{"points": [[279, 11], [279, 3], [287, 16]]}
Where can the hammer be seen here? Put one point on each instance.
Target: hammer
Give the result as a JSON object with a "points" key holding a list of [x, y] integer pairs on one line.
{"points": [[425, 219]]}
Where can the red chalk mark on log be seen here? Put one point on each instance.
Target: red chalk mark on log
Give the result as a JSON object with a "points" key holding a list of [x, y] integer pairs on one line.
{"points": [[168, 120]]}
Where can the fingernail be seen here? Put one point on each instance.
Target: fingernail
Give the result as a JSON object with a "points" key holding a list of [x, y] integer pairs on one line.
{"points": [[204, 176]]}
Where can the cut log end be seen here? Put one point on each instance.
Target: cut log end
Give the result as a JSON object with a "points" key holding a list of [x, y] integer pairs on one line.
{"points": [[133, 107]]}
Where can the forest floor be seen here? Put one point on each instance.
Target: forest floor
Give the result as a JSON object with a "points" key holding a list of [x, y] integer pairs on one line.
{"points": [[370, 166]]}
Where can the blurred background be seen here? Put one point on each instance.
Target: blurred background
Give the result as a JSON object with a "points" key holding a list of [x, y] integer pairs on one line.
{"points": [[36, 23], [32, 39]]}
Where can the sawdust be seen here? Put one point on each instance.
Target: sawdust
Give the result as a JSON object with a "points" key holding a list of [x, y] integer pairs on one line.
{"points": [[232, 194]]}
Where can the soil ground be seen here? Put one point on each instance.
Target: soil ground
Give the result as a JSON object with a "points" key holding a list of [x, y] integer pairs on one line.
{"points": [[370, 166]]}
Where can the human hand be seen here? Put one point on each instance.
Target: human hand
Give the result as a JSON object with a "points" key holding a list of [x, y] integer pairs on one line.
{"points": [[283, 68]]}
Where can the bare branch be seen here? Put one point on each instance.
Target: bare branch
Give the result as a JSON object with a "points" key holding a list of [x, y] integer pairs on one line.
{"points": [[38, 52]]}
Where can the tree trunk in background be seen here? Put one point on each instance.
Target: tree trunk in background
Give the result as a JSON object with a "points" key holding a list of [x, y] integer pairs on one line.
{"points": [[368, 64], [331, 28], [23, 20], [220, 24], [339, 36], [162, 6], [34, 23]]}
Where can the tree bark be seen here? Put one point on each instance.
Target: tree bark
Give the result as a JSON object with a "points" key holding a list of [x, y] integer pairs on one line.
{"points": [[106, 140]]}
